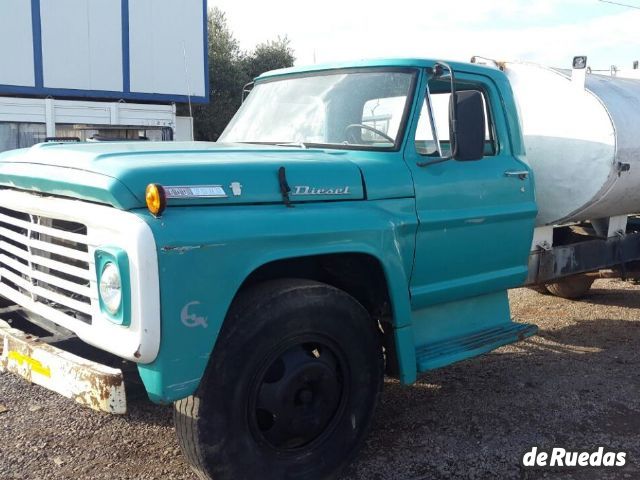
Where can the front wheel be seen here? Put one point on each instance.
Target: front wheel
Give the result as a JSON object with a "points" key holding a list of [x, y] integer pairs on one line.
{"points": [[290, 389]]}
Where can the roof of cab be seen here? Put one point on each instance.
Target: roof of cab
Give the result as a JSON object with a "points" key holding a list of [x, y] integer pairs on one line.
{"points": [[373, 63]]}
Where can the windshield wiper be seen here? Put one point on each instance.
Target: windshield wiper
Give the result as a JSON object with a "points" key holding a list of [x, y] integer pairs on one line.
{"points": [[292, 144]]}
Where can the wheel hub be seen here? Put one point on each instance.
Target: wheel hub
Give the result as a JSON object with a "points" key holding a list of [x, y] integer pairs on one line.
{"points": [[298, 395]]}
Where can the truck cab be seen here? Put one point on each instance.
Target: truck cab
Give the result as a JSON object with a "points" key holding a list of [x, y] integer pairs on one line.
{"points": [[354, 219]]}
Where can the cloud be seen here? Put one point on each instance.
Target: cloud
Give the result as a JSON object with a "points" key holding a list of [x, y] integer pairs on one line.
{"points": [[546, 31]]}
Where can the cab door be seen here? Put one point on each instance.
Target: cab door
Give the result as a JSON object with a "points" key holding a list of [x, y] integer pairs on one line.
{"points": [[476, 218]]}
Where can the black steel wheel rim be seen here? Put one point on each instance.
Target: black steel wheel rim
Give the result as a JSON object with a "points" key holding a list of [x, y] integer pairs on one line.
{"points": [[298, 394]]}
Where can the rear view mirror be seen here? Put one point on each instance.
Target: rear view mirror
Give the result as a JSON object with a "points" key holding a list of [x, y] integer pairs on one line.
{"points": [[467, 125]]}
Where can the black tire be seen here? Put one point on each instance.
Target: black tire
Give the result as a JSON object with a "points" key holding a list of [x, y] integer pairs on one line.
{"points": [[541, 288], [571, 287], [290, 389]]}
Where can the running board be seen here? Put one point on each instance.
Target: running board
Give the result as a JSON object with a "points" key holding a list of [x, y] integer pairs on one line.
{"points": [[439, 354]]}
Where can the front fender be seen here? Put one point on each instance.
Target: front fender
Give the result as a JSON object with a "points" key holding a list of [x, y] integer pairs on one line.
{"points": [[206, 253]]}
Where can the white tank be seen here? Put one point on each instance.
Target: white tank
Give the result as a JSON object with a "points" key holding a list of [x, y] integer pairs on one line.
{"points": [[583, 143]]}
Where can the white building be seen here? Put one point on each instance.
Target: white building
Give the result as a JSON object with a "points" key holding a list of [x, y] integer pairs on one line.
{"points": [[100, 68]]}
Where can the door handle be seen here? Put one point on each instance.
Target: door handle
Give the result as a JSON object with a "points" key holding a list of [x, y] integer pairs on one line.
{"points": [[521, 174]]}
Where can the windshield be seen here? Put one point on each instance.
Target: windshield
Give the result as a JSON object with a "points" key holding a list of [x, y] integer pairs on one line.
{"points": [[341, 110]]}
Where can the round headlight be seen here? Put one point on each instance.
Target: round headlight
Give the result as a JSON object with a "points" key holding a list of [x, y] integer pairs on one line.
{"points": [[111, 288]]}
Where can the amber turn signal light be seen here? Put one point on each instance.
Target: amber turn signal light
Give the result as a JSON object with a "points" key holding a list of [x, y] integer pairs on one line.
{"points": [[156, 199]]}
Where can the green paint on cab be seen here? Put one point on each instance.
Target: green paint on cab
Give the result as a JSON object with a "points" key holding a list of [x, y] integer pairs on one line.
{"points": [[449, 238]]}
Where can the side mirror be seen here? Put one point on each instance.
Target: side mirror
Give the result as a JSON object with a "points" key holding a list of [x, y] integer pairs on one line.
{"points": [[466, 121], [467, 125]]}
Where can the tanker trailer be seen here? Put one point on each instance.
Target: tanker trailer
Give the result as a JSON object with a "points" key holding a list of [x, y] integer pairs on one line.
{"points": [[582, 138]]}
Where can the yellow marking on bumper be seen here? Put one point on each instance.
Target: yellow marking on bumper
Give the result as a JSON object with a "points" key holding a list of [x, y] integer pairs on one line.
{"points": [[34, 364]]}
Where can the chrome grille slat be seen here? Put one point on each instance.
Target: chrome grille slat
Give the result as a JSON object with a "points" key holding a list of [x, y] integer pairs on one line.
{"points": [[47, 247], [56, 316], [48, 294], [73, 237], [47, 264], [84, 290]]}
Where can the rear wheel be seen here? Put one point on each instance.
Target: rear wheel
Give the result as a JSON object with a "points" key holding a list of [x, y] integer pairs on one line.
{"points": [[571, 287], [540, 288], [291, 387]]}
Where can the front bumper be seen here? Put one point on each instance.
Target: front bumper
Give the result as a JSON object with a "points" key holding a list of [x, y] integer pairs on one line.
{"points": [[89, 383]]}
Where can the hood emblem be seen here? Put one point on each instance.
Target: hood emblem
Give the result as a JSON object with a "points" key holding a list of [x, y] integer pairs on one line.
{"points": [[236, 188], [307, 190], [195, 191]]}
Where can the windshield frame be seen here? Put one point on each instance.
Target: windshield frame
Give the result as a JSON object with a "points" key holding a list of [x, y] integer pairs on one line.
{"points": [[404, 120]]}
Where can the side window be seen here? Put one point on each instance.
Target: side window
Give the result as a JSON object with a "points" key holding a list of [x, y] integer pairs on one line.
{"points": [[432, 134]]}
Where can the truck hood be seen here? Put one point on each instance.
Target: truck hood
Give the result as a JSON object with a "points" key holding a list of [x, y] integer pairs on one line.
{"points": [[118, 173]]}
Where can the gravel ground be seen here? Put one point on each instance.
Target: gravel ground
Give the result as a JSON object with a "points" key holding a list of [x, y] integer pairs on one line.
{"points": [[575, 385]]}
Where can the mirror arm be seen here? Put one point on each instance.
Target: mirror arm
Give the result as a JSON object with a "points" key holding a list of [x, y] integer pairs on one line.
{"points": [[245, 91], [454, 122], [436, 72]]}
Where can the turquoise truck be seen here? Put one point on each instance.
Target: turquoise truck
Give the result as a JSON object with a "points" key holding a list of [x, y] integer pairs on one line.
{"points": [[353, 221]]}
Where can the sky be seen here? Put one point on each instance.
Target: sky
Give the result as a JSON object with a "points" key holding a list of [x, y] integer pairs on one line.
{"points": [[550, 32]]}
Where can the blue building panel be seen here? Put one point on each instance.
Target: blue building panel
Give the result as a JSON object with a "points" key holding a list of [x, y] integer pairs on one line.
{"points": [[176, 74]]}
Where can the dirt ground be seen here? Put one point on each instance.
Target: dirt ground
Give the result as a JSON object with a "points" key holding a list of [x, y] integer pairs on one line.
{"points": [[576, 385]]}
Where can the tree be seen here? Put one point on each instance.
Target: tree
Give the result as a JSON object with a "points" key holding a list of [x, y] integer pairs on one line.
{"points": [[269, 56], [230, 68]]}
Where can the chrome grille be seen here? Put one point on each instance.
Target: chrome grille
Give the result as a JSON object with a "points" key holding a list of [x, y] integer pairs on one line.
{"points": [[48, 262]]}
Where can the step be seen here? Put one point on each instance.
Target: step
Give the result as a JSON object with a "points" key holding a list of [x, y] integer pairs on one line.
{"points": [[439, 354]]}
